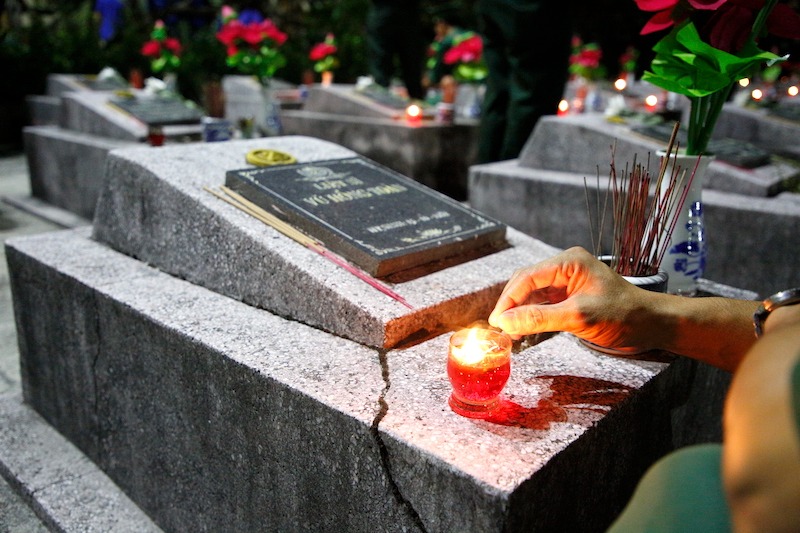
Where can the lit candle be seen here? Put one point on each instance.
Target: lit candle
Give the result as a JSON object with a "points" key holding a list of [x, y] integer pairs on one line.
{"points": [[478, 365], [650, 102], [792, 90], [414, 114], [620, 84], [757, 94], [744, 82], [563, 108]]}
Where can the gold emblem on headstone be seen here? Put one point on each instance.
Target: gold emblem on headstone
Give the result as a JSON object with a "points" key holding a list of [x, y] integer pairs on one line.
{"points": [[268, 158]]}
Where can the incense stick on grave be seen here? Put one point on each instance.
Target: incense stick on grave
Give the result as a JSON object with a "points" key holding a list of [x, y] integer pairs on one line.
{"points": [[242, 203]]}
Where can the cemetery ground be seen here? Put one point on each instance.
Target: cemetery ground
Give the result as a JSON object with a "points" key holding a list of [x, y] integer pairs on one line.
{"points": [[16, 513]]}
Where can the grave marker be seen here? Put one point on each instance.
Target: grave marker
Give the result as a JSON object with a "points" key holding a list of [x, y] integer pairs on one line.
{"points": [[376, 218]]}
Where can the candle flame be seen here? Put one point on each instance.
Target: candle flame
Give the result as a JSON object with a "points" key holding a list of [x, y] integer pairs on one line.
{"points": [[793, 90], [620, 84], [414, 111], [475, 348], [757, 94]]}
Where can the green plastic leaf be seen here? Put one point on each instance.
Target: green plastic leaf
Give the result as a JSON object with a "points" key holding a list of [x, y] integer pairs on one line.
{"points": [[687, 65]]}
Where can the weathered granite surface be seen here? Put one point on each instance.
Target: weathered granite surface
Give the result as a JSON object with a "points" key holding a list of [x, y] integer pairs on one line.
{"points": [[582, 144], [68, 491], [154, 208], [91, 112], [214, 415], [66, 168]]}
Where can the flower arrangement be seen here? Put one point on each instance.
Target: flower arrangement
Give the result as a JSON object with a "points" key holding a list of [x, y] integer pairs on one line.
{"points": [[164, 52], [323, 54], [252, 43], [711, 45], [466, 57], [584, 62]]}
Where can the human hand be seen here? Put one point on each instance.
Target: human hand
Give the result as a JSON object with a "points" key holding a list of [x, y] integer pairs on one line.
{"points": [[575, 292]]}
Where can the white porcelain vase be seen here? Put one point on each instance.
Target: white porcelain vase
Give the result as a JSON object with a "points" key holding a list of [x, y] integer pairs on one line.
{"points": [[685, 260]]}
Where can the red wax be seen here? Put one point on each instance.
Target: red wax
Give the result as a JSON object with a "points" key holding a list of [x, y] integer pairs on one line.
{"points": [[481, 382]]}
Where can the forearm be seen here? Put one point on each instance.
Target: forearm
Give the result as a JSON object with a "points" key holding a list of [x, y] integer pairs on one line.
{"points": [[717, 331]]}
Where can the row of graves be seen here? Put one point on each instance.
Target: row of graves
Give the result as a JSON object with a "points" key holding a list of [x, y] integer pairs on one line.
{"points": [[250, 348], [83, 117]]}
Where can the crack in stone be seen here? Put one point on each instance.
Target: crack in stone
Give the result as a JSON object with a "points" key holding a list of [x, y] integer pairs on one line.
{"points": [[384, 451]]}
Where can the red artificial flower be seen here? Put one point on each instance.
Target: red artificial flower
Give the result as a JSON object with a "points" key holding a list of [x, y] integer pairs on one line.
{"points": [[668, 12], [272, 32], [732, 23], [173, 45], [321, 51], [151, 49], [466, 51], [589, 58], [229, 32]]}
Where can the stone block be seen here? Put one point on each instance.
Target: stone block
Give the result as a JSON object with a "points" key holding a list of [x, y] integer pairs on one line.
{"points": [[43, 110], [214, 415], [750, 240], [91, 112], [582, 144], [154, 208], [66, 168], [346, 101], [433, 154], [758, 127]]}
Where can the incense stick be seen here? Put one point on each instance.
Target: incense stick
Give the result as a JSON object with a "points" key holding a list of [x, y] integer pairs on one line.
{"points": [[641, 227], [242, 203]]}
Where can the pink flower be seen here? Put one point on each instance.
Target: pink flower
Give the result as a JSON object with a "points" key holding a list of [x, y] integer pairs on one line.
{"points": [[668, 12]]}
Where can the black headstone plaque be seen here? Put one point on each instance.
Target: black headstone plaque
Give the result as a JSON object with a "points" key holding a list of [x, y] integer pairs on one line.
{"points": [[378, 219], [160, 111]]}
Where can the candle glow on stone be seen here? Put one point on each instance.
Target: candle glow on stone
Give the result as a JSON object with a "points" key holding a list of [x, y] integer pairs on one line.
{"points": [[413, 113]]}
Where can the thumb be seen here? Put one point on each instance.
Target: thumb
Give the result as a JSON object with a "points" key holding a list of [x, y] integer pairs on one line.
{"points": [[530, 319]]}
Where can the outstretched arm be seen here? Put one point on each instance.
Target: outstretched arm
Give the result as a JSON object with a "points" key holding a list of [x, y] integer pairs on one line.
{"points": [[575, 292]]}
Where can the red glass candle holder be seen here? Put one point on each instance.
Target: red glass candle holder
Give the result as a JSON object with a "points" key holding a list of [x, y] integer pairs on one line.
{"points": [[478, 365]]}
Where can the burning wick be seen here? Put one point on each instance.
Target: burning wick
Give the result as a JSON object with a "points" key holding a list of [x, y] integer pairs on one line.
{"points": [[620, 84], [478, 365], [413, 114], [563, 108]]}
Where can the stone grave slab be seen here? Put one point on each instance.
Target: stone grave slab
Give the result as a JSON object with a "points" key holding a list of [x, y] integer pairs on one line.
{"points": [[374, 217], [582, 144], [214, 415], [96, 114], [435, 155], [66, 168], [159, 111], [154, 208], [344, 99], [58, 84]]}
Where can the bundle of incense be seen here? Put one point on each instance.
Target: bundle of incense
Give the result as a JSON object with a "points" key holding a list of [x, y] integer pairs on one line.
{"points": [[235, 199]]}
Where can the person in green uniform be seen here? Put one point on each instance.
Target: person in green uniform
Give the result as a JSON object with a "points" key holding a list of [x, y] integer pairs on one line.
{"points": [[526, 46], [394, 33], [751, 482]]}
